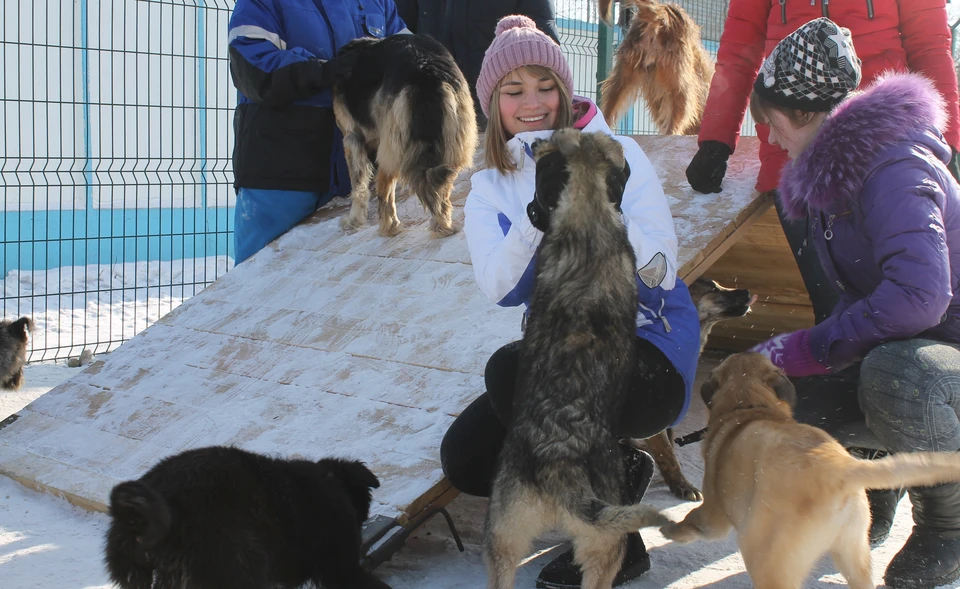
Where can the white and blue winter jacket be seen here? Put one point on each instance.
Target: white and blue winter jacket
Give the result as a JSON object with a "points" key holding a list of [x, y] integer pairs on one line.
{"points": [[503, 244]]}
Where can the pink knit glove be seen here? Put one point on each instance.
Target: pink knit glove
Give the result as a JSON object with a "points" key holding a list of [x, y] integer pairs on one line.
{"points": [[791, 353]]}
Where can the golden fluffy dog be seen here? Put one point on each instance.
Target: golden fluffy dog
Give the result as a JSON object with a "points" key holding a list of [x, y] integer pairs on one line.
{"points": [[662, 59], [790, 490]]}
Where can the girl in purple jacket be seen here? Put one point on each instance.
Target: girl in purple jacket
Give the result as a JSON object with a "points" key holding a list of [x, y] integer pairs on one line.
{"points": [[869, 171]]}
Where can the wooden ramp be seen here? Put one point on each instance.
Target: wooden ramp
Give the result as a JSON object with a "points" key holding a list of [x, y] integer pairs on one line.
{"points": [[322, 344]]}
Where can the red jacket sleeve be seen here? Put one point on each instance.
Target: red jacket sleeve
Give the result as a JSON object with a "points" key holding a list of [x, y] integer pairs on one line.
{"points": [[741, 53], [926, 41]]}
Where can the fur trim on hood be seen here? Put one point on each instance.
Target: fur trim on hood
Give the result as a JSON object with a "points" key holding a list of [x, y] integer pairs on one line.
{"points": [[897, 106]]}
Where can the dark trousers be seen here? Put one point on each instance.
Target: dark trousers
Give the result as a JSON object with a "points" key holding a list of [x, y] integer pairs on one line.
{"points": [[471, 446]]}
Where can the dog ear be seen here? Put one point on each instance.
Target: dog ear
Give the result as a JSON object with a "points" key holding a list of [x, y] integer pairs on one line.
{"points": [[21, 328], [351, 472], [785, 390], [708, 389], [566, 140]]}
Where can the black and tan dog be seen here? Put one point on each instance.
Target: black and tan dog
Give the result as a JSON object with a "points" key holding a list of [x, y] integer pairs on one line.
{"points": [[407, 107], [224, 517], [791, 491], [560, 467], [14, 336], [714, 304]]}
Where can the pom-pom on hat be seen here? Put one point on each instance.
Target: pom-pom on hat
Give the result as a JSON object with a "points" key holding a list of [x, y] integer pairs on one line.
{"points": [[812, 69], [518, 42]]}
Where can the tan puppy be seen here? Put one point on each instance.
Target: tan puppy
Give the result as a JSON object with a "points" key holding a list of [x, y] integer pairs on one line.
{"points": [[791, 491]]}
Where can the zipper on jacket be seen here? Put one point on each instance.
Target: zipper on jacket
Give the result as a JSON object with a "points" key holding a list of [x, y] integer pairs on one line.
{"points": [[870, 9], [825, 8], [783, 11]]}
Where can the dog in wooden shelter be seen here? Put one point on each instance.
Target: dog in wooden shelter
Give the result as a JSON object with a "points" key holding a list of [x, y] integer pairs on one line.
{"points": [[14, 336], [406, 114], [790, 490], [560, 467], [715, 303], [662, 59], [221, 517]]}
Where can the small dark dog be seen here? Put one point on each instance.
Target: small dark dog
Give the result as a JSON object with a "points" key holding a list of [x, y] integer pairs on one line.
{"points": [[714, 304], [406, 106], [14, 336], [222, 517], [560, 467]]}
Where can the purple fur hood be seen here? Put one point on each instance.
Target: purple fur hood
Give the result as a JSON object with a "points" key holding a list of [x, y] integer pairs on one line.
{"points": [[884, 215], [859, 130]]}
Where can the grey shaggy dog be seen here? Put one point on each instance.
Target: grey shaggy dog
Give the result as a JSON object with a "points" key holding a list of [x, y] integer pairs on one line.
{"points": [[14, 336], [560, 467]]}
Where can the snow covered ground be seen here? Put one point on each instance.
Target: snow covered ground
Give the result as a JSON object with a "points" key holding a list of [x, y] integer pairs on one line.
{"points": [[45, 543]]}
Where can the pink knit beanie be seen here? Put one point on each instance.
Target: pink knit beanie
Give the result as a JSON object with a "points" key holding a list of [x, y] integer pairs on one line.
{"points": [[518, 42]]}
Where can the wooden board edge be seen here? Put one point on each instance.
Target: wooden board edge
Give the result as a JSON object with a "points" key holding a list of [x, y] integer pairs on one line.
{"points": [[84, 503], [696, 268]]}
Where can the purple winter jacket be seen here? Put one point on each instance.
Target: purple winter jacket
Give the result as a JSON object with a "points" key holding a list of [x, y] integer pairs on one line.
{"points": [[885, 213]]}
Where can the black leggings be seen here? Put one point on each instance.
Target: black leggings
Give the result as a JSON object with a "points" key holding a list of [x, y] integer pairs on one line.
{"points": [[468, 453]]}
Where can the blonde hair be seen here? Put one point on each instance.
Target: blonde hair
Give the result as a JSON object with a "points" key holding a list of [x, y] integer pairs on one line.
{"points": [[495, 152]]}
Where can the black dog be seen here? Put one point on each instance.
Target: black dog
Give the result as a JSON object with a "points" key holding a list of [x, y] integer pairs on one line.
{"points": [[13, 351], [225, 518]]}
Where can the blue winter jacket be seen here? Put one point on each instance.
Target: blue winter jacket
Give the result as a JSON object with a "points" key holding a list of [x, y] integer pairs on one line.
{"points": [[284, 121]]}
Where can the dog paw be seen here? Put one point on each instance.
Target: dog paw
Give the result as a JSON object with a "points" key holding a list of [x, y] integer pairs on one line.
{"points": [[440, 232], [351, 222], [680, 532], [390, 227], [684, 490]]}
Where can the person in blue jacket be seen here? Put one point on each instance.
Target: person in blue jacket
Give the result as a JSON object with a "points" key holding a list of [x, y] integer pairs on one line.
{"points": [[288, 154]]}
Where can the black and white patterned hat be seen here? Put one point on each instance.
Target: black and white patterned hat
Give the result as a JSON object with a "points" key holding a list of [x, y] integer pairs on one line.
{"points": [[812, 69]]}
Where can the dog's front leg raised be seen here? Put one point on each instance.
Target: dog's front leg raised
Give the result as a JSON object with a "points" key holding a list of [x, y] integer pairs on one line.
{"points": [[361, 172], [706, 522]]}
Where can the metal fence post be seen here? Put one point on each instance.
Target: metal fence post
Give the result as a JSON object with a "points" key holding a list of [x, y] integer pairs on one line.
{"points": [[604, 53]]}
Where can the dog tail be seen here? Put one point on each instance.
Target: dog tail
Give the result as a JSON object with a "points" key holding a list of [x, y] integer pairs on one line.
{"points": [[912, 469], [140, 511], [621, 519]]}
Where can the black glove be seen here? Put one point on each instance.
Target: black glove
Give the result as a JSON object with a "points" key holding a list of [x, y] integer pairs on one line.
{"points": [[552, 177], [706, 169], [616, 182], [336, 69], [954, 165]]}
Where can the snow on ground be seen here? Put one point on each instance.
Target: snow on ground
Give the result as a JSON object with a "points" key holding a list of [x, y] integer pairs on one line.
{"points": [[75, 307], [45, 543]]}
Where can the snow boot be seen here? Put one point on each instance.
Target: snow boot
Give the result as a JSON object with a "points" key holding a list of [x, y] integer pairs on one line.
{"points": [[883, 502], [883, 507], [564, 573], [931, 555]]}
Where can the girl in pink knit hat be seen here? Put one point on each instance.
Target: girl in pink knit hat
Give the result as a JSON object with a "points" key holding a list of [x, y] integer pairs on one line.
{"points": [[525, 89]]}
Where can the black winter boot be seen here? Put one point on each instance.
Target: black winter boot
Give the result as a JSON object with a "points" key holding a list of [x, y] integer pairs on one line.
{"points": [[883, 507], [883, 502], [563, 573], [931, 555]]}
